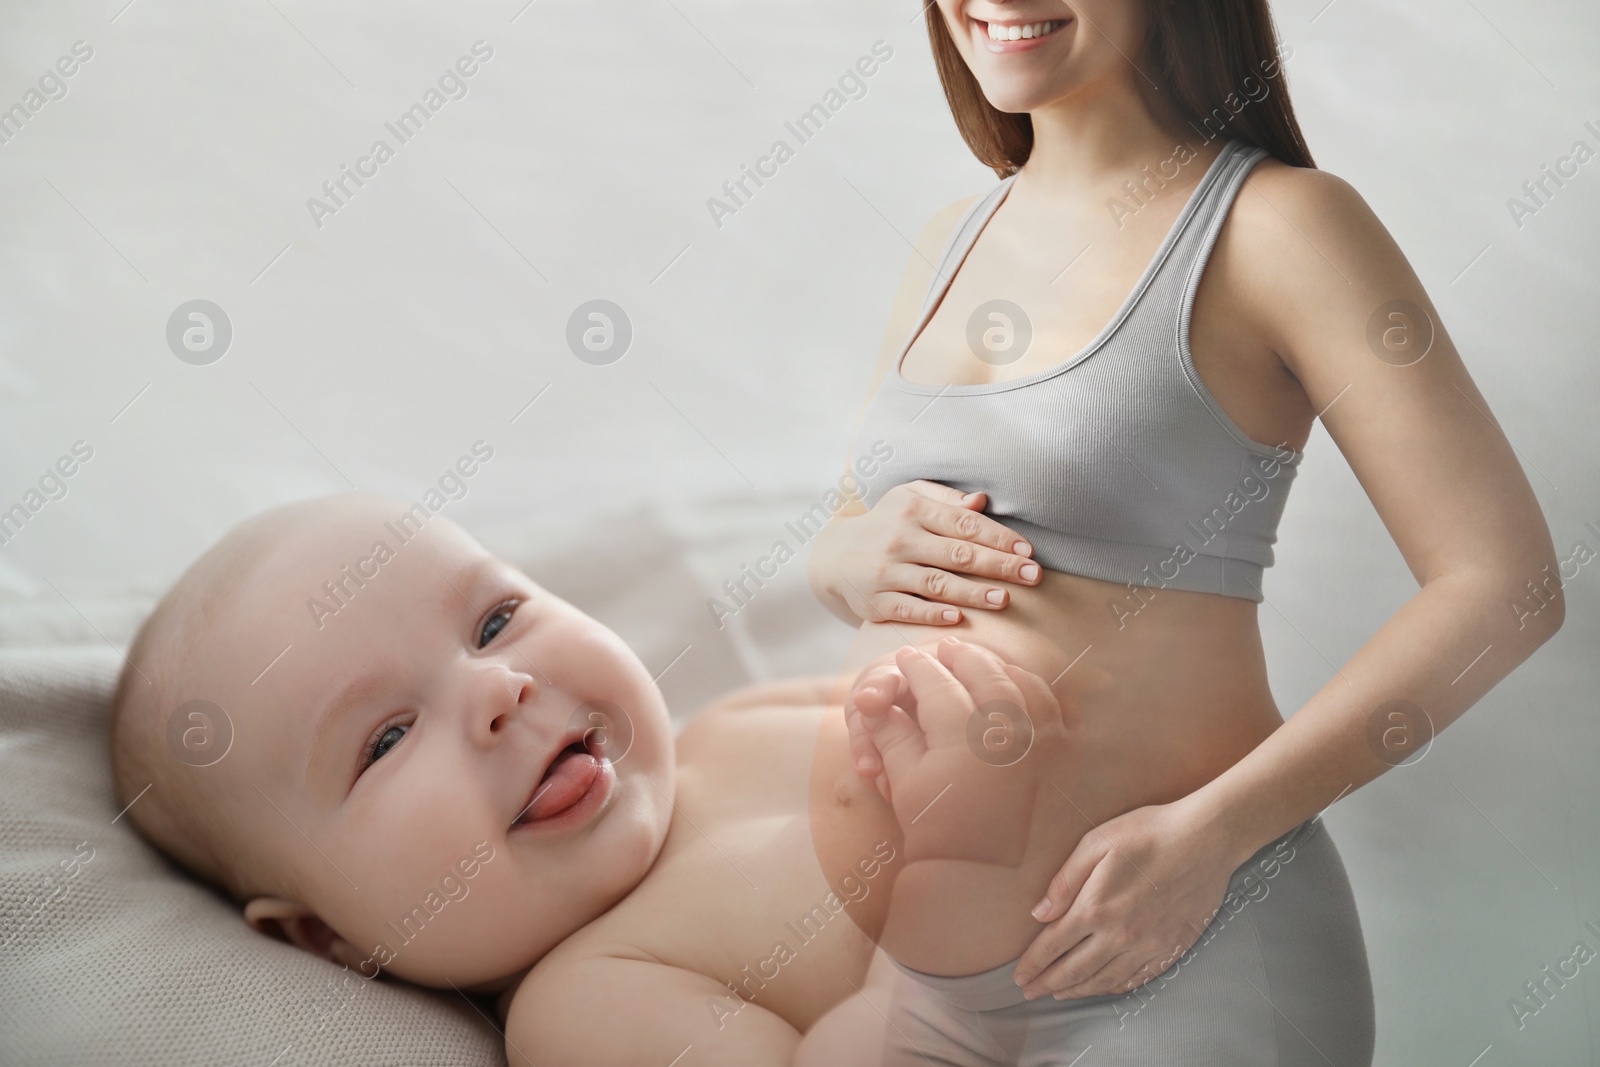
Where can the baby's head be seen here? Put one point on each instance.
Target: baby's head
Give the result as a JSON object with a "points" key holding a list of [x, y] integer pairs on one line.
{"points": [[381, 697]]}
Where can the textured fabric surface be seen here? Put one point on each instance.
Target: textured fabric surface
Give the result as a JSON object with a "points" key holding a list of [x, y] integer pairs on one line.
{"points": [[1116, 462], [116, 958], [109, 955]]}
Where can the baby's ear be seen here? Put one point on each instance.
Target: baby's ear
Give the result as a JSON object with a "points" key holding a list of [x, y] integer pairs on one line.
{"points": [[297, 924]]}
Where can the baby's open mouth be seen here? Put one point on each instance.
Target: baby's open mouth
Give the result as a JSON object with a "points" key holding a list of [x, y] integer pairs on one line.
{"points": [[567, 780]]}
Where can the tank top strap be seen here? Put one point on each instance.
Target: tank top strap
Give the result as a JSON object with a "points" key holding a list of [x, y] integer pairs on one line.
{"points": [[960, 242], [1176, 277]]}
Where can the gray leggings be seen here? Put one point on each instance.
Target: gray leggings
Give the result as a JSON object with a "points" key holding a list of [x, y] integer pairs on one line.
{"points": [[1277, 979]]}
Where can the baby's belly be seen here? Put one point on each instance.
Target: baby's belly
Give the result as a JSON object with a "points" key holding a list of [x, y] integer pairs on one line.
{"points": [[1169, 698]]}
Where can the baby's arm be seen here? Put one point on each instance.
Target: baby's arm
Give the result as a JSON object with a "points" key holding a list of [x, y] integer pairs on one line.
{"points": [[608, 1010], [855, 1030]]}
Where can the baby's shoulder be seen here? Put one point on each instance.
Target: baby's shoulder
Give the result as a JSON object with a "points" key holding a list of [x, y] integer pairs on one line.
{"points": [[772, 711], [755, 743], [810, 690]]}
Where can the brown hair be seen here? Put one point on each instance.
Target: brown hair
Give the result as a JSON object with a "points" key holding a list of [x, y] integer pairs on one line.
{"points": [[1200, 53]]}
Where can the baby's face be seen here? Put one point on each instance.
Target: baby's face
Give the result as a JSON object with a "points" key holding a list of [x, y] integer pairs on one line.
{"points": [[387, 761]]}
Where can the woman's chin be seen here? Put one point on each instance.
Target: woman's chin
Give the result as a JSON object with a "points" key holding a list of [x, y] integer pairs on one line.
{"points": [[1018, 97]]}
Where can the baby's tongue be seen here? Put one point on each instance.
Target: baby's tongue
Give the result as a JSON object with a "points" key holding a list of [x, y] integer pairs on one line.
{"points": [[568, 779]]}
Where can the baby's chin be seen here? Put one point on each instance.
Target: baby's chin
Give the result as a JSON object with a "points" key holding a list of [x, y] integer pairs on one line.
{"points": [[496, 949], [485, 961]]}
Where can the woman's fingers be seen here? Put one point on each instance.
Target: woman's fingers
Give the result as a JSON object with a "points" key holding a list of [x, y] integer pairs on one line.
{"points": [[952, 553], [1081, 963], [927, 553], [1047, 950], [934, 584], [1056, 907], [964, 524], [944, 494], [891, 606], [1122, 973]]}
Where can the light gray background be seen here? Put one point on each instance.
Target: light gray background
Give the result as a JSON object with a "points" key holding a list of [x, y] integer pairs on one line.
{"points": [[428, 312]]}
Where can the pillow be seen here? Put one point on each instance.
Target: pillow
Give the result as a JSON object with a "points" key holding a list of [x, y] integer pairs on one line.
{"points": [[114, 956]]}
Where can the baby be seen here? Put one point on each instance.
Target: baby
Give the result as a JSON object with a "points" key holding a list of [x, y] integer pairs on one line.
{"points": [[460, 780]]}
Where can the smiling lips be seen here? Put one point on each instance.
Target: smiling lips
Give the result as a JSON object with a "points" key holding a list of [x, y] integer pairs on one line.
{"points": [[1016, 36]]}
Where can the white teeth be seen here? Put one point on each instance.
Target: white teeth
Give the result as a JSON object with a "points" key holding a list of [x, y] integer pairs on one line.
{"points": [[1021, 32]]}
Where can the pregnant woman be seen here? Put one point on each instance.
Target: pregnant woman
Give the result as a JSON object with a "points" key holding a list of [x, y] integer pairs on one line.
{"points": [[1095, 390]]}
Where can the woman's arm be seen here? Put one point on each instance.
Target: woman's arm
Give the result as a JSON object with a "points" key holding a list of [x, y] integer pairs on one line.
{"points": [[1326, 286], [1442, 476]]}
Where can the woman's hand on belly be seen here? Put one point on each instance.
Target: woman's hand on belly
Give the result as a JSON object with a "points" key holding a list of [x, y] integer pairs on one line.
{"points": [[1135, 894], [914, 557]]}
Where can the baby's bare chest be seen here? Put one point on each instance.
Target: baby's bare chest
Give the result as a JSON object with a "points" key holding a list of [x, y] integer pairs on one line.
{"points": [[737, 893]]}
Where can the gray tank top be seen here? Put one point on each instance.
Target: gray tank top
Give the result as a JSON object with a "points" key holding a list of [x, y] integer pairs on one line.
{"points": [[1118, 463]]}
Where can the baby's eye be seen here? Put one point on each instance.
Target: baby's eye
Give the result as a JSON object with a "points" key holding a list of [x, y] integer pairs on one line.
{"points": [[383, 743], [498, 619]]}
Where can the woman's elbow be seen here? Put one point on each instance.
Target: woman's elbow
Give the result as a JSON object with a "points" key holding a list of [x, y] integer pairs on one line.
{"points": [[1535, 595]]}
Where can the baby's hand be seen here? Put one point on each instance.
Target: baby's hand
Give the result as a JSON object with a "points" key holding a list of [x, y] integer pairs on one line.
{"points": [[954, 735], [878, 689]]}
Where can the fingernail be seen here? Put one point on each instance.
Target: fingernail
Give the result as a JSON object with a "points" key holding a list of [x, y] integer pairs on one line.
{"points": [[995, 596], [951, 615], [1030, 571], [1022, 548], [1041, 909]]}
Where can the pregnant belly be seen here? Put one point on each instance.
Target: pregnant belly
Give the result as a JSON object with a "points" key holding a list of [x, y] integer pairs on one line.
{"points": [[1169, 698]]}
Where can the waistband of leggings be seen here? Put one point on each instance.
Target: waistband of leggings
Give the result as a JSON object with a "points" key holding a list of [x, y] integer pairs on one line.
{"points": [[997, 988]]}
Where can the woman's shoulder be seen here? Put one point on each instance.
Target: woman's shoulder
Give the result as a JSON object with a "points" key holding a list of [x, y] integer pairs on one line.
{"points": [[1294, 236], [1307, 190], [1298, 210]]}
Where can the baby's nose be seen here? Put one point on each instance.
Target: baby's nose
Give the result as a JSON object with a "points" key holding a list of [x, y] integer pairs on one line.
{"points": [[504, 694]]}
